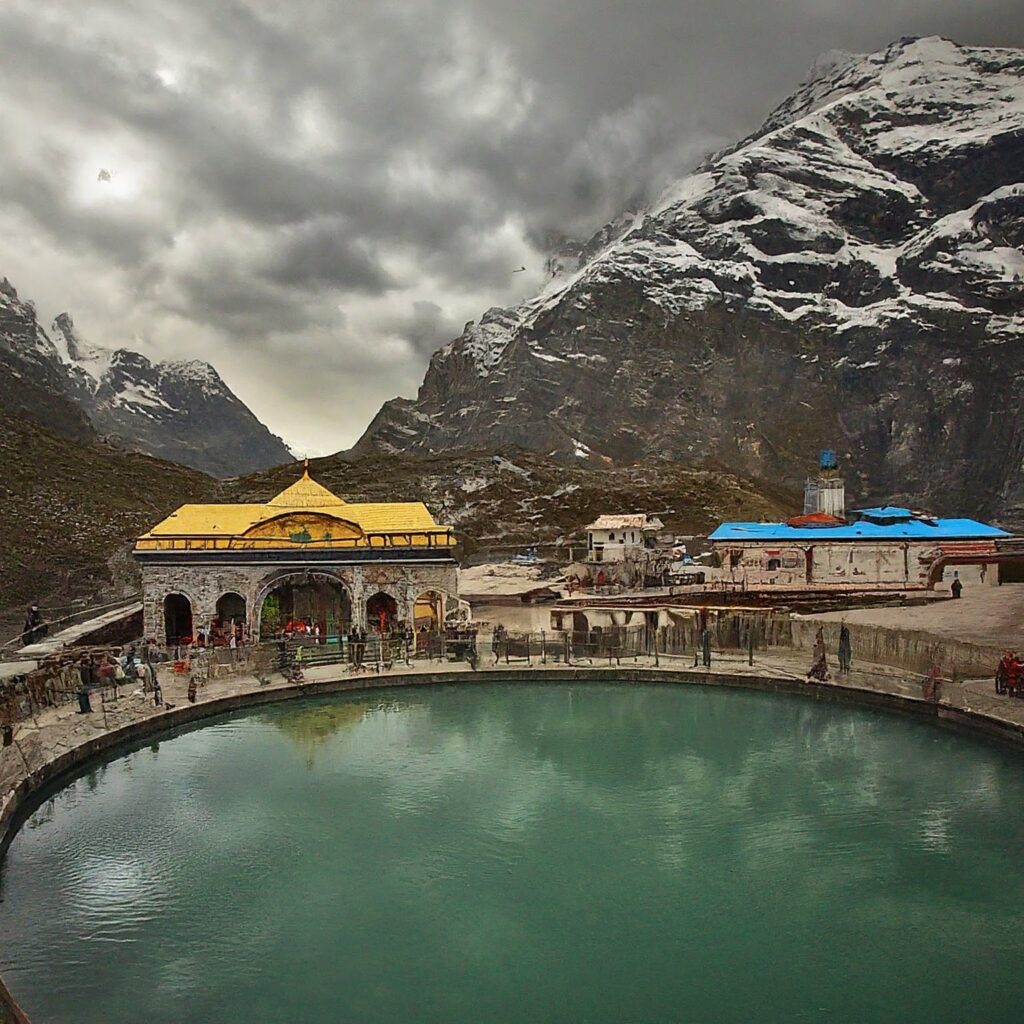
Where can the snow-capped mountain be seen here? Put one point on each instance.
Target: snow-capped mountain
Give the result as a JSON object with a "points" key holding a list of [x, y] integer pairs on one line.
{"points": [[180, 411], [848, 276]]}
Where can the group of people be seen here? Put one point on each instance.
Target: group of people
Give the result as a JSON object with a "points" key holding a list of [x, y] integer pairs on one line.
{"points": [[1010, 675], [219, 634], [128, 668], [819, 658], [306, 629]]}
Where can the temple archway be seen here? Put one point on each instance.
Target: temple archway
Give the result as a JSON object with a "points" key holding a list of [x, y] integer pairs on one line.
{"points": [[381, 612], [303, 601], [231, 606], [177, 619], [428, 611]]}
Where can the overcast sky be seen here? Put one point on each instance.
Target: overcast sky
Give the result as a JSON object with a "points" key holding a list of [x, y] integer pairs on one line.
{"points": [[316, 195]]}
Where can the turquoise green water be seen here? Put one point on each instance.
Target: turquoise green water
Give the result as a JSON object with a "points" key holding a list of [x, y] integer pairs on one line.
{"points": [[542, 854]]}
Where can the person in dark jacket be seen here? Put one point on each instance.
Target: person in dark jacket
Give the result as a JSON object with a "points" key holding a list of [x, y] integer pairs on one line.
{"points": [[845, 649], [35, 629]]}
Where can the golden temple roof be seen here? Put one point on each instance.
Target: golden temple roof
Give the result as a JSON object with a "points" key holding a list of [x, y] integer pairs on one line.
{"points": [[305, 493], [306, 513]]}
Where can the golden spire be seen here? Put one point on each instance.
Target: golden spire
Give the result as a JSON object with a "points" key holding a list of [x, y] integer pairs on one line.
{"points": [[305, 493]]}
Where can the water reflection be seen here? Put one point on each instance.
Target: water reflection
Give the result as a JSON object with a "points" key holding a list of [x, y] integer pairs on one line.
{"points": [[309, 726], [527, 853]]}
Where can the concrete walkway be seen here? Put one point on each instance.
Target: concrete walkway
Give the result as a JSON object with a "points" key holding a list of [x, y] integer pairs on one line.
{"points": [[986, 616], [56, 731], [73, 635]]}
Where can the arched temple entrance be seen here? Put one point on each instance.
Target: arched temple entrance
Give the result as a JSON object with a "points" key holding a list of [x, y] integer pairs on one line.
{"points": [[230, 618], [381, 612], [302, 602], [177, 619], [428, 612], [231, 606]]}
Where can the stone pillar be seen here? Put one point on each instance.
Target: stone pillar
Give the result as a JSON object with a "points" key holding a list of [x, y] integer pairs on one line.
{"points": [[358, 599]]}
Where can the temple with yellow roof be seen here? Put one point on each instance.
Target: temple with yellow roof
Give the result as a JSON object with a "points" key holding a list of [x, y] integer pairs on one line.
{"points": [[306, 556]]}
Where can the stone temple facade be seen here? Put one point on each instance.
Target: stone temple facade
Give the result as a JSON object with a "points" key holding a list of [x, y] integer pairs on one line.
{"points": [[305, 556]]}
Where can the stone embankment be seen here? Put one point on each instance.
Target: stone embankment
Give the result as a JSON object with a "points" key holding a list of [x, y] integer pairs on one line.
{"points": [[916, 651], [59, 742]]}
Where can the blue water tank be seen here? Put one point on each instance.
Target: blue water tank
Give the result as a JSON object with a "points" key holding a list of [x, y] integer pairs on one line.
{"points": [[828, 459]]}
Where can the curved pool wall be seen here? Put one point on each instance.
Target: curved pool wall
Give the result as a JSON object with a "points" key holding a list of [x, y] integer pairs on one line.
{"points": [[33, 788]]}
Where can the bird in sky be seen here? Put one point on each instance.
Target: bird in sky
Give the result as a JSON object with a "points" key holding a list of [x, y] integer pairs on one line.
{"points": [[519, 271]]}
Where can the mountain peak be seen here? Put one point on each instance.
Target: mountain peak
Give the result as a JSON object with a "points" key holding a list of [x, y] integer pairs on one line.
{"points": [[179, 410], [860, 255]]}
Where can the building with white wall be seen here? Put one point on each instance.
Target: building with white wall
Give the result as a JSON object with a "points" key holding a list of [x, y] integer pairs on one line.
{"points": [[621, 538], [887, 547]]}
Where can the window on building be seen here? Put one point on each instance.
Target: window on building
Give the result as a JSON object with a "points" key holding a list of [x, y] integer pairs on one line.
{"points": [[611, 536], [774, 564], [590, 541]]}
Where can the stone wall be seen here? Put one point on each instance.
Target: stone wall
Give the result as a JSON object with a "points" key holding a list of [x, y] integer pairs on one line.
{"points": [[900, 648], [204, 585], [853, 563]]}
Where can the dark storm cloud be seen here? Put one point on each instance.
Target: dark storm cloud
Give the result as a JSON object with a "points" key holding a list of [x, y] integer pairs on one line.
{"points": [[320, 253], [356, 179]]}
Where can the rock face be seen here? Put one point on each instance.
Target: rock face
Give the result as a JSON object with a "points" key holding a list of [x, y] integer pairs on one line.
{"points": [[849, 276], [179, 411]]}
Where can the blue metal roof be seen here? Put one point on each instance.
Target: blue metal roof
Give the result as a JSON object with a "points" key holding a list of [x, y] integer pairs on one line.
{"points": [[884, 512], [910, 529]]}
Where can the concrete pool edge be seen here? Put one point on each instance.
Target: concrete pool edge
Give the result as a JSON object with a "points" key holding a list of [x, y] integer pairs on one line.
{"points": [[18, 802]]}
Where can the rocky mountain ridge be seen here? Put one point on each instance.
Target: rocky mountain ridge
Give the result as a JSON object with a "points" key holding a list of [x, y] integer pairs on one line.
{"points": [[504, 501], [181, 411], [849, 276]]}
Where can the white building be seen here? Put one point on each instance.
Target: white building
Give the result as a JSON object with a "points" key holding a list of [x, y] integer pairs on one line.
{"points": [[622, 538], [878, 547]]}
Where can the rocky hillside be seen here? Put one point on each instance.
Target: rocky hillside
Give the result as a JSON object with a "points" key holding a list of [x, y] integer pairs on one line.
{"points": [[181, 411], [504, 501], [849, 276], [69, 511]]}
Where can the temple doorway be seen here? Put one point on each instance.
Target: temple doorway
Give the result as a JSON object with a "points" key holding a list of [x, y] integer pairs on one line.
{"points": [[428, 614], [178, 619], [231, 606], [306, 605], [229, 622], [381, 612]]}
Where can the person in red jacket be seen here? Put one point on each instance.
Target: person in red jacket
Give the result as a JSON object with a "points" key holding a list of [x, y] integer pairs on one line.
{"points": [[1009, 674], [1014, 675]]}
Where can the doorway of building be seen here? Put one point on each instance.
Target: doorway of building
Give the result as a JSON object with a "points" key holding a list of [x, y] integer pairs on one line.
{"points": [[304, 605], [429, 612], [382, 612], [177, 619]]}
